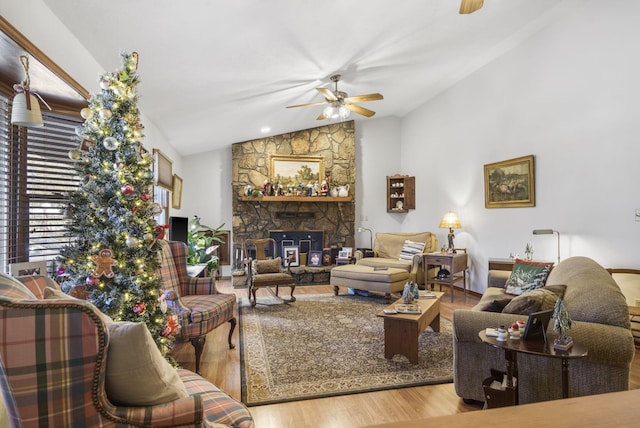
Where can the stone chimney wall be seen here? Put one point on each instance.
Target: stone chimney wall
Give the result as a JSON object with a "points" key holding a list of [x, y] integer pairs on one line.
{"points": [[254, 218]]}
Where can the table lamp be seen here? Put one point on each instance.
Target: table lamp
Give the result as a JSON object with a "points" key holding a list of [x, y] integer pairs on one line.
{"points": [[450, 220]]}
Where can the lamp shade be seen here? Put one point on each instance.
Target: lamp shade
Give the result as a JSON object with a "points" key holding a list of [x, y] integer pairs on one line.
{"points": [[25, 113], [450, 220]]}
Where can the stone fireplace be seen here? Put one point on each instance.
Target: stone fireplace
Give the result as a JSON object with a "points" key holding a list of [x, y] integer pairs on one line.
{"points": [[255, 217]]}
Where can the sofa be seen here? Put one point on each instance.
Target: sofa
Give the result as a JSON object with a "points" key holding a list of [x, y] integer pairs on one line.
{"points": [[65, 363], [388, 247], [600, 321]]}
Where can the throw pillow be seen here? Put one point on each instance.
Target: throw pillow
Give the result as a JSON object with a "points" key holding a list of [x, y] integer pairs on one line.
{"points": [[496, 305], [267, 266], [137, 374], [410, 249], [11, 287], [527, 276], [540, 299], [54, 293]]}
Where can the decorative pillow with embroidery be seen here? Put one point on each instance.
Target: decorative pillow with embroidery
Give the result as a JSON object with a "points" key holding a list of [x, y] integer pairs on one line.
{"points": [[410, 249], [267, 266], [527, 276]]}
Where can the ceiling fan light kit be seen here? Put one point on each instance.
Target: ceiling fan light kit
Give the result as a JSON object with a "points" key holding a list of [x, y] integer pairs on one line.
{"points": [[340, 103]]}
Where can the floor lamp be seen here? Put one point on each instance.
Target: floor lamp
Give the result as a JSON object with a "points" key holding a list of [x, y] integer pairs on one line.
{"points": [[362, 229], [549, 232]]}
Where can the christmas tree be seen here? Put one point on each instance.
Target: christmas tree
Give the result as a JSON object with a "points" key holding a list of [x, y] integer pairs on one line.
{"points": [[113, 251]]}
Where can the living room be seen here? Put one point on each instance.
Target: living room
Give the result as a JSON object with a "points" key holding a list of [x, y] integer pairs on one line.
{"points": [[562, 88]]}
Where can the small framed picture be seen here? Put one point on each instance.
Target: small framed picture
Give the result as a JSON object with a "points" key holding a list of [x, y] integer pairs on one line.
{"points": [[343, 254], [315, 258], [291, 256], [348, 250], [28, 268]]}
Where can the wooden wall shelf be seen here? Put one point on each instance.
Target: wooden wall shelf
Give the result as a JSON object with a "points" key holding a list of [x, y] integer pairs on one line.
{"points": [[318, 199]]}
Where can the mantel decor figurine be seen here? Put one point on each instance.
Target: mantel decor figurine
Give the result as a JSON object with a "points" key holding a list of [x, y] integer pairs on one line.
{"points": [[561, 325]]}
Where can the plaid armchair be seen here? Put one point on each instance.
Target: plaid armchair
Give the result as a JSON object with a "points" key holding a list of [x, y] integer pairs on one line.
{"points": [[53, 364], [199, 305]]}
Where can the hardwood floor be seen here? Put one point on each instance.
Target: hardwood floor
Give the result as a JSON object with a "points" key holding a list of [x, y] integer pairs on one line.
{"points": [[221, 366]]}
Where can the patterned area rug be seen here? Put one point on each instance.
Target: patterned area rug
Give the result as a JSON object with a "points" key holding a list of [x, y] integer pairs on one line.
{"points": [[326, 345]]}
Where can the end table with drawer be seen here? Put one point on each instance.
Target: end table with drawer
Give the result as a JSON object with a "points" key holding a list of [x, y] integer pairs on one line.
{"points": [[456, 264]]}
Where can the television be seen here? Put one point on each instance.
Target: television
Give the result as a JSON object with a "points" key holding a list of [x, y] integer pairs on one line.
{"points": [[178, 229]]}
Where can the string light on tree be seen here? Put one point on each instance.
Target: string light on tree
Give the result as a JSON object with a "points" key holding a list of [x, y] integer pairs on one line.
{"points": [[112, 213]]}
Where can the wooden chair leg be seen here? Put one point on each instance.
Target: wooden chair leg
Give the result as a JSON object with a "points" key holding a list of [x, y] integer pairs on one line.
{"points": [[293, 287], [277, 290], [232, 321], [198, 344], [253, 291]]}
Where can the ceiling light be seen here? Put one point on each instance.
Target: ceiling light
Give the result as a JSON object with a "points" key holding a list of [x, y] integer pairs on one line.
{"points": [[25, 110], [336, 111]]}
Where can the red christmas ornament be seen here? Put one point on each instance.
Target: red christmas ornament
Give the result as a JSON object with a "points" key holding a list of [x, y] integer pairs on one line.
{"points": [[139, 308], [92, 280], [144, 196], [127, 189], [159, 230], [170, 328]]}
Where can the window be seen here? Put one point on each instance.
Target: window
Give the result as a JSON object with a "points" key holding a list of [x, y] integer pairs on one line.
{"points": [[35, 176]]}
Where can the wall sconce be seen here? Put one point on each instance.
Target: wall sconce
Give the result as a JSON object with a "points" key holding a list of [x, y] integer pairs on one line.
{"points": [[450, 220], [549, 232], [25, 110], [362, 229]]}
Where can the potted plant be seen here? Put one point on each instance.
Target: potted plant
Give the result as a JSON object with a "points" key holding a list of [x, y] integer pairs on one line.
{"points": [[202, 241]]}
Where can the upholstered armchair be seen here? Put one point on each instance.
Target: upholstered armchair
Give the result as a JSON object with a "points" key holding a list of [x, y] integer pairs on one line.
{"points": [[197, 302], [388, 252], [64, 363], [265, 269]]}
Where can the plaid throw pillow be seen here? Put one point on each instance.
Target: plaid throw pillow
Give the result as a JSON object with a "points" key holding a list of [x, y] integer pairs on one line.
{"points": [[410, 249]]}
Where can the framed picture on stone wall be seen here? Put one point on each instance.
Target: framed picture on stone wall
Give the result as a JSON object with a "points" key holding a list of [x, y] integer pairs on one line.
{"points": [[291, 256], [293, 170]]}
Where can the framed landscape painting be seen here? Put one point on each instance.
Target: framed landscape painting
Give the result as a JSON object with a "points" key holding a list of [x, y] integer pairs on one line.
{"points": [[510, 183], [292, 170]]}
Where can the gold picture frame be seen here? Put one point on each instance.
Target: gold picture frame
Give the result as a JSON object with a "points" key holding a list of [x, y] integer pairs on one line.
{"points": [[176, 193], [162, 167], [293, 170], [510, 183]]}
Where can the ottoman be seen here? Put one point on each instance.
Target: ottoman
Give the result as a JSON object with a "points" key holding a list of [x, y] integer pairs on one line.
{"points": [[389, 280]]}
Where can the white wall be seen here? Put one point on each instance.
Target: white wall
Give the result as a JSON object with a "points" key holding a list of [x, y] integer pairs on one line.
{"points": [[569, 96], [41, 27]]}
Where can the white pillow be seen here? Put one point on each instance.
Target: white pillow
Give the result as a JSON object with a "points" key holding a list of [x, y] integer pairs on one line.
{"points": [[137, 373], [410, 249]]}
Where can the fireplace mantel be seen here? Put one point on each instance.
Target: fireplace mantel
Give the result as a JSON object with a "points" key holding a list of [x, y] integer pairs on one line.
{"points": [[296, 199]]}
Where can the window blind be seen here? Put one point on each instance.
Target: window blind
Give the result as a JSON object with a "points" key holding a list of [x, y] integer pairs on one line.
{"points": [[37, 175]]}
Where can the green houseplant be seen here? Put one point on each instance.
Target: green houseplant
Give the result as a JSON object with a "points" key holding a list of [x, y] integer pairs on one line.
{"points": [[202, 241]]}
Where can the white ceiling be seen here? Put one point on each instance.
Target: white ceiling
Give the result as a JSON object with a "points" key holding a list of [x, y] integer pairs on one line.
{"points": [[214, 73]]}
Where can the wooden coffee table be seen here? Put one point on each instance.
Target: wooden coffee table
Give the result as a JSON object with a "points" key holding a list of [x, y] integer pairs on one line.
{"points": [[401, 331]]}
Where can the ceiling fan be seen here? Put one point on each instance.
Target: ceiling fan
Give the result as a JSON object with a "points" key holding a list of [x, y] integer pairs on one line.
{"points": [[340, 105], [470, 6]]}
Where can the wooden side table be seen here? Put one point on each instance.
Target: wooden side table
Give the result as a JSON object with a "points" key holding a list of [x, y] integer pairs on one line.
{"points": [[511, 348], [455, 263]]}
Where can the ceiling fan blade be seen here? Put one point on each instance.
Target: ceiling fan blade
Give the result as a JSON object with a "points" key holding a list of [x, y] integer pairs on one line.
{"points": [[360, 110], [470, 6], [321, 117], [327, 94], [362, 98], [309, 104]]}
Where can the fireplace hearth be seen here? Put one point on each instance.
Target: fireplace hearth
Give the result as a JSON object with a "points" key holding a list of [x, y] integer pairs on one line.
{"points": [[305, 240]]}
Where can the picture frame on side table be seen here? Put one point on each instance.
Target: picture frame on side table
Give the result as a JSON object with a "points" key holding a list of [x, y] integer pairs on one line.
{"points": [[291, 256], [176, 194], [510, 183], [28, 268], [315, 258]]}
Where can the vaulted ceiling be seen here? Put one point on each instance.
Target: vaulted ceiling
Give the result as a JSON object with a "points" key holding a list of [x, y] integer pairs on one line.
{"points": [[214, 73]]}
